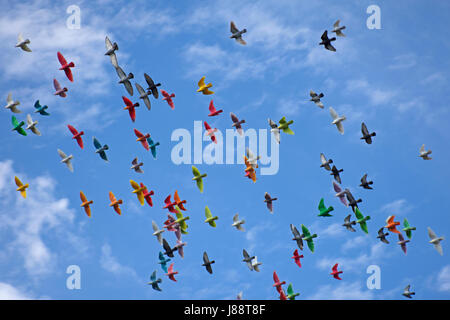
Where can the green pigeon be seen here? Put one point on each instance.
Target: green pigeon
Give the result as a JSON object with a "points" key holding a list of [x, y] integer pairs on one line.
{"points": [[209, 218], [284, 125], [181, 220], [290, 292], [18, 126], [361, 220], [407, 228], [308, 238], [324, 211], [198, 178]]}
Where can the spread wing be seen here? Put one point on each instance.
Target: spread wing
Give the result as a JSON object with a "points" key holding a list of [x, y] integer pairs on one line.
{"points": [[207, 127], [195, 171], [233, 28], [201, 82], [431, 234], [275, 277], [322, 205], [97, 143], [208, 212], [62, 154], [364, 129], [112, 197], [72, 129], [333, 113], [211, 107], [305, 231], [233, 117], [61, 59], [82, 197], [18, 182], [134, 184], [56, 85], [336, 24], [358, 214]]}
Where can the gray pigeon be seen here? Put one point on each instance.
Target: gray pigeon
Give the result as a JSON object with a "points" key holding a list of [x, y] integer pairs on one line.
{"points": [[238, 223], [335, 173], [152, 87], [402, 242], [154, 282], [110, 51], [247, 259], [66, 159], [144, 95], [157, 232], [348, 224], [351, 200], [436, 241], [136, 166], [316, 98], [206, 263], [408, 293], [237, 34], [31, 125], [366, 135], [366, 184], [382, 235], [274, 129], [256, 264], [340, 193], [237, 123], [337, 29], [268, 200], [325, 163], [12, 105], [297, 237], [22, 43], [125, 80], [424, 154], [326, 42]]}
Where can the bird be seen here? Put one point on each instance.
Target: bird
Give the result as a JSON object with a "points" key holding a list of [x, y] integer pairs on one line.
{"points": [[157, 232], [147, 195], [125, 79], [110, 51], [237, 34], [209, 217], [391, 225], [152, 87], [248, 259], [382, 236], [178, 202], [85, 204], [237, 123], [290, 292], [59, 91], [139, 191], [76, 135], [100, 149], [136, 166], [436, 241], [424, 154], [366, 135], [179, 246], [325, 163], [316, 98], [204, 88], [170, 273], [269, 201], [238, 223], [198, 178], [154, 282], [213, 111], [169, 205], [335, 273], [351, 200], [256, 264], [23, 43], [31, 125], [402, 242], [274, 129], [283, 125], [251, 158], [163, 261], [297, 258], [239, 296], [407, 293], [337, 120], [283, 295], [168, 250], [335, 173], [168, 97], [348, 224], [181, 220], [22, 188], [277, 283], [250, 171], [66, 66], [40, 109], [115, 203], [142, 139], [210, 132], [323, 210], [297, 236], [206, 263], [152, 145], [143, 95], [340, 193], [66, 159], [130, 106], [308, 238], [11, 104], [407, 228], [366, 184], [362, 220], [337, 29], [17, 126], [326, 42]]}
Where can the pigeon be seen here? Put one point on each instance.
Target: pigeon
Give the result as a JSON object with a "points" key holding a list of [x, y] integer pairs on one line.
{"points": [[366, 184], [237, 123], [152, 87], [402, 242], [59, 91], [407, 228], [391, 225], [335, 173], [284, 126], [212, 110], [335, 273], [283, 295], [268, 200], [23, 43], [251, 158], [206, 263], [351, 200], [115, 203], [362, 220], [125, 80], [348, 224], [325, 163], [382, 235], [169, 205], [130, 106], [85, 204], [154, 282], [308, 238], [181, 220], [323, 210], [340, 193], [290, 292], [31, 125], [168, 250], [142, 139], [237, 34], [424, 154], [66, 159], [143, 95], [152, 145], [12, 105], [250, 171], [337, 120], [22, 188], [17, 126], [297, 258], [297, 236], [204, 88], [248, 259], [179, 246], [337, 29], [316, 98], [238, 223], [277, 283], [408, 293], [209, 217], [168, 97], [66, 66], [274, 129], [110, 51], [326, 42], [171, 273], [147, 195], [256, 264], [40, 109], [435, 241], [210, 132], [136, 166], [198, 178], [76, 135], [178, 201], [239, 296], [157, 232], [163, 261], [100, 149], [366, 135]]}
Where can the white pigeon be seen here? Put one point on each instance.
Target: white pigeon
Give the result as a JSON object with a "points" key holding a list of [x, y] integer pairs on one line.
{"points": [[337, 120], [66, 159], [22, 44], [256, 264], [157, 232], [424, 154], [31, 125], [12, 105], [238, 223], [337, 29], [435, 240], [252, 159], [274, 129]]}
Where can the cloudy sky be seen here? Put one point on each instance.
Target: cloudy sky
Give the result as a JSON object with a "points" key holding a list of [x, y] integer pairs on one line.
{"points": [[395, 79]]}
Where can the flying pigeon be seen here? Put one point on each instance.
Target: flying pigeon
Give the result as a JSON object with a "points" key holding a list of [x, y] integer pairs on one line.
{"points": [[206, 263], [204, 88], [209, 218], [297, 236], [17, 126], [181, 220], [256, 264], [130, 107], [340, 193], [59, 91], [210, 132], [248, 259], [362, 220], [277, 283], [168, 250], [147, 195], [40, 109], [308, 238], [115, 203], [168, 98], [31, 125], [337, 120], [171, 273], [290, 292], [152, 145], [237, 123], [274, 129], [366, 184], [144, 95], [251, 158], [136, 166], [268, 200], [435, 241], [402, 242], [198, 178], [152, 87], [237, 34], [238, 223], [284, 125], [153, 282], [337, 29], [163, 261], [335, 173], [297, 257], [326, 42], [316, 98], [76, 135], [139, 191], [85, 204], [179, 246], [22, 44], [12, 105], [283, 295], [125, 80], [22, 188], [239, 296], [66, 159], [66, 66], [110, 51], [212, 110], [366, 135], [351, 200], [100, 149], [408, 293], [407, 228], [391, 225], [325, 163], [424, 154], [178, 201], [250, 171], [335, 273], [142, 139], [382, 236], [323, 210], [169, 204], [157, 232], [348, 224]]}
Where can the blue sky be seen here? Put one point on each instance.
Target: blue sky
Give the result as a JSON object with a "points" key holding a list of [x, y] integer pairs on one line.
{"points": [[394, 79]]}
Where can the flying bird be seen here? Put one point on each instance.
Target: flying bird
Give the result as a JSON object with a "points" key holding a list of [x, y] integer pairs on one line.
{"points": [[168, 250], [23, 43], [366, 184], [204, 88], [391, 225], [125, 80], [130, 106], [297, 236], [163, 261], [297, 258], [147, 195], [326, 42], [22, 188], [139, 191], [152, 87], [58, 90], [238, 223], [277, 283], [424, 154], [256, 264], [402, 242], [198, 178], [17, 126], [274, 129], [76, 135], [154, 282], [66, 66], [142, 139], [239, 296], [168, 204], [152, 145], [206, 263], [436, 241], [100, 149], [31, 125], [340, 193], [335, 173], [407, 228], [325, 163], [40, 109], [290, 292], [250, 171], [348, 223], [237, 123], [178, 202], [212, 110], [210, 132], [110, 51], [362, 220], [308, 238], [66, 159], [171, 273], [248, 259], [269, 201], [283, 125], [168, 97], [335, 273], [157, 232], [316, 98], [143, 95], [209, 217], [11, 104], [179, 246], [115, 203], [181, 220], [236, 34], [251, 158], [85, 204], [337, 120], [351, 200], [323, 210], [136, 166], [337, 29], [382, 236], [407, 293], [366, 135]]}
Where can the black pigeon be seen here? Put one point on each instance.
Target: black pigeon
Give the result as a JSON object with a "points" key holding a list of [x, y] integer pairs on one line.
{"points": [[297, 237], [152, 86], [382, 235], [168, 250], [206, 263], [351, 200], [366, 184], [366, 135], [335, 173], [348, 224], [326, 42]]}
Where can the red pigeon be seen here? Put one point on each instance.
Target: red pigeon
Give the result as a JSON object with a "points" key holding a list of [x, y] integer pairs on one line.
{"points": [[169, 204], [168, 98], [297, 257], [66, 66], [210, 132], [277, 283], [76, 135], [212, 110], [171, 273], [170, 223], [147, 195], [142, 139], [130, 107], [335, 272], [283, 295]]}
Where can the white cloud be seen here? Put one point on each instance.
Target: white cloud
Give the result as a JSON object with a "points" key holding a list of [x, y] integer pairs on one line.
{"points": [[443, 279], [8, 292], [397, 207], [342, 291], [111, 264], [376, 96]]}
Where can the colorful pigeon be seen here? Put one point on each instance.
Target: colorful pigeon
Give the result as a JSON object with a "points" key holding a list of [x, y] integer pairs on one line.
{"points": [[237, 123], [249, 170], [115, 203], [402, 242], [277, 283], [130, 106], [100, 149], [40, 109], [66, 159], [152, 145], [308, 238], [181, 220], [153, 282], [85, 204], [212, 110], [31, 125], [136, 165], [251, 158], [163, 261], [204, 88], [169, 204], [198, 178], [207, 263], [66, 66], [125, 80], [22, 188], [58, 90], [17, 126], [11, 104], [210, 132], [297, 257], [147, 195], [407, 228], [168, 97], [290, 292], [391, 224], [76, 135], [142, 139], [361, 220], [284, 125], [209, 217], [269, 201], [323, 210], [171, 273], [178, 201], [335, 273], [139, 191]]}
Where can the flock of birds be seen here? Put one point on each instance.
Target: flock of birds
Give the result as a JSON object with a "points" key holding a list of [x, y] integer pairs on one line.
{"points": [[176, 207]]}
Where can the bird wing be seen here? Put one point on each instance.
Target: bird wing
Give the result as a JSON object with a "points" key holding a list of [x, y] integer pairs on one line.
{"points": [[149, 80], [305, 231], [62, 154], [134, 184], [211, 107], [61, 58], [138, 133], [336, 24], [201, 82], [322, 205], [82, 197], [272, 124], [120, 73], [358, 214], [333, 113], [334, 269], [364, 179], [127, 101], [108, 43], [431, 234], [72, 129], [340, 127], [205, 258], [208, 212], [207, 127], [18, 182], [324, 35], [233, 117], [155, 226], [97, 143], [275, 277], [336, 187], [439, 248], [422, 148], [195, 171], [56, 85], [29, 119], [112, 197], [233, 28]]}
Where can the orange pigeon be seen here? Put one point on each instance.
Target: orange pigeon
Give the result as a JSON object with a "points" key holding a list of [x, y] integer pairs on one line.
{"points": [[115, 203], [391, 225], [249, 170], [85, 204], [178, 201]]}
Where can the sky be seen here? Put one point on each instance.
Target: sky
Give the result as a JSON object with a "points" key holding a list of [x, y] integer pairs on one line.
{"points": [[395, 79]]}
